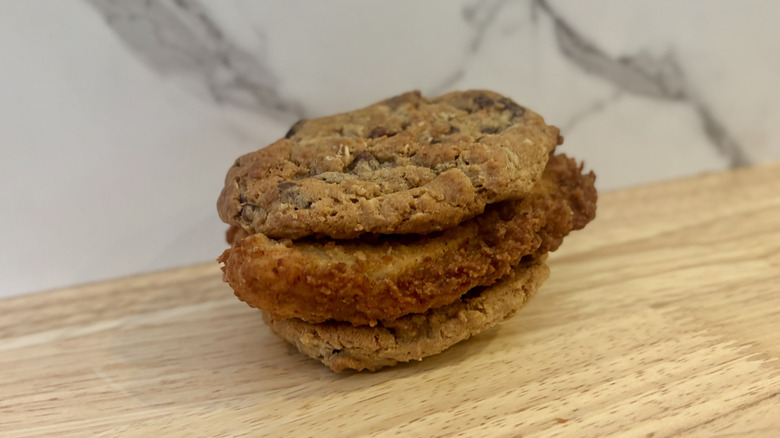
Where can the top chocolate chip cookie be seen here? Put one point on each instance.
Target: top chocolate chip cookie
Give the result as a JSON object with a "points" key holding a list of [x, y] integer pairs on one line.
{"points": [[408, 164]]}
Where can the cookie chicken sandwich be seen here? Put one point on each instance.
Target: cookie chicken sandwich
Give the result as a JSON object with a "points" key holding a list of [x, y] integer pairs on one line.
{"points": [[392, 232]]}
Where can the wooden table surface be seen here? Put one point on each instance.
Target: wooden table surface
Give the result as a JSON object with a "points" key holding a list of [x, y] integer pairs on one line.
{"points": [[662, 318]]}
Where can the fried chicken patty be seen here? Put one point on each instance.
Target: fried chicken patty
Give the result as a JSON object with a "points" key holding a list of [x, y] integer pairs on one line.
{"points": [[381, 278]]}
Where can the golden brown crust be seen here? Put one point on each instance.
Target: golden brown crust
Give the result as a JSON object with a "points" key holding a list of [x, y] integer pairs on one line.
{"points": [[343, 346], [385, 277], [404, 165]]}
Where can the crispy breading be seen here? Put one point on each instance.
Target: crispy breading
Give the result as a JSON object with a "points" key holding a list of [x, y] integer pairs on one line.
{"points": [[381, 278]]}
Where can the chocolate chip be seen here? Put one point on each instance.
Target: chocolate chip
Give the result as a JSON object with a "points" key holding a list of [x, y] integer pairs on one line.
{"points": [[453, 130], [242, 194], [394, 102], [412, 97], [292, 197], [288, 196], [237, 164], [364, 155], [286, 185], [489, 130], [377, 132], [363, 161], [295, 128], [248, 212], [515, 109], [482, 101]]}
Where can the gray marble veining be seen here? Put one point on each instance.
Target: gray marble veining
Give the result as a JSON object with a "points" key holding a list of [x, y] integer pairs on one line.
{"points": [[179, 38], [129, 112], [642, 74]]}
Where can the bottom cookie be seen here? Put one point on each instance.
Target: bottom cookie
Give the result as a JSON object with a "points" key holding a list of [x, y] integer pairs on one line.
{"points": [[343, 346]]}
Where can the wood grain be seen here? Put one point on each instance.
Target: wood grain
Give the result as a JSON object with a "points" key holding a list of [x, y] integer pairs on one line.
{"points": [[662, 318]]}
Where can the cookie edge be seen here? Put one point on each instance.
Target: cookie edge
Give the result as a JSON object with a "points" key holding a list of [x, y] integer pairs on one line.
{"points": [[335, 344]]}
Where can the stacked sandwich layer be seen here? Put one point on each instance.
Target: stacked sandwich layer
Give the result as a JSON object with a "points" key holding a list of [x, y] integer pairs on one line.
{"points": [[392, 232]]}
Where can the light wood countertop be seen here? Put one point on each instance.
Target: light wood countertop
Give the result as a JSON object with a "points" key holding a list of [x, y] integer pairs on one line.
{"points": [[661, 318]]}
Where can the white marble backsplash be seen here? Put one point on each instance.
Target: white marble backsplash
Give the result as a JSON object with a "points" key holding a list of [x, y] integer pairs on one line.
{"points": [[119, 119]]}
